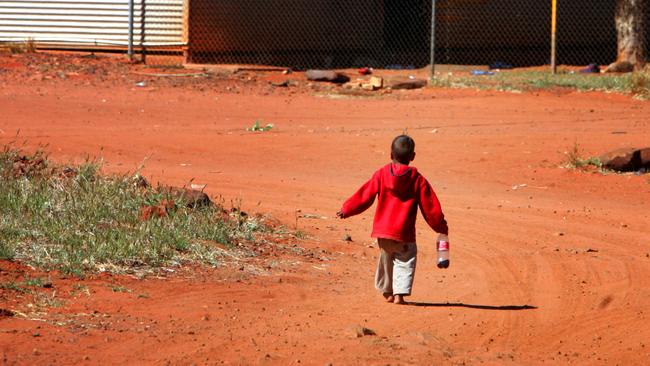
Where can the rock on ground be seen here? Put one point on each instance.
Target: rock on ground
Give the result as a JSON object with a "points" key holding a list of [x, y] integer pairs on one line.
{"points": [[359, 331], [405, 83], [627, 159], [327, 75], [188, 197]]}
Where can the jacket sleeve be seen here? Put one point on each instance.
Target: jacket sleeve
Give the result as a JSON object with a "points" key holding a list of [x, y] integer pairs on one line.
{"points": [[363, 198], [430, 208]]}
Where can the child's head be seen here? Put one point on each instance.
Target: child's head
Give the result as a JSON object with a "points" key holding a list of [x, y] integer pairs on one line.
{"points": [[402, 150]]}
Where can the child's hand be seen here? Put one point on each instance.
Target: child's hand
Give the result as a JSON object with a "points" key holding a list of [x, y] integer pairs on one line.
{"points": [[339, 214]]}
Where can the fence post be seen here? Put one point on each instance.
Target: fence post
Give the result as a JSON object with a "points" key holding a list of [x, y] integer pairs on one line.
{"points": [[432, 56], [130, 47], [553, 40]]}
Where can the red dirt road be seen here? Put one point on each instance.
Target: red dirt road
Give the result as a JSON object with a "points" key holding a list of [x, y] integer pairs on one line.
{"points": [[548, 264]]}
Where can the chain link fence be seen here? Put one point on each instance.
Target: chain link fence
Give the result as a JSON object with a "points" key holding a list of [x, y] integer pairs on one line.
{"points": [[391, 34], [310, 34], [397, 33]]}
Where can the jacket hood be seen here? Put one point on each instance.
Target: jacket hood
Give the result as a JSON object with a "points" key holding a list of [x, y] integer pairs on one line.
{"points": [[400, 179]]}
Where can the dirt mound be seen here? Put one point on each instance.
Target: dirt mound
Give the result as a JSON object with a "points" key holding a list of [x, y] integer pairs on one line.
{"points": [[28, 166]]}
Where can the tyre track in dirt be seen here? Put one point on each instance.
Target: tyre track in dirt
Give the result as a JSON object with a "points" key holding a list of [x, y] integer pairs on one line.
{"points": [[556, 280]]}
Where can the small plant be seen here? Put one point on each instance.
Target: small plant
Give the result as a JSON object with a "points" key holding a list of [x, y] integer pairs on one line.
{"points": [[120, 288], [21, 47], [573, 156], [441, 82], [14, 48], [88, 171], [574, 159], [80, 288], [257, 126], [45, 300], [33, 282]]}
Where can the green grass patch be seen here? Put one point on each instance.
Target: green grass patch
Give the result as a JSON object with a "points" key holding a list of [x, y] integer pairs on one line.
{"points": [[637, 83], [25, 285], [34, 282], [258, 126], [89, 222]]}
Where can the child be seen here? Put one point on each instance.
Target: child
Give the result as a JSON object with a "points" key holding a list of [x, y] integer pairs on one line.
{"points": [[400, 190]]}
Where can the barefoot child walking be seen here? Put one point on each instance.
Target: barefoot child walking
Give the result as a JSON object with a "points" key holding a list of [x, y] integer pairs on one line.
{"points": [[399, 190]]}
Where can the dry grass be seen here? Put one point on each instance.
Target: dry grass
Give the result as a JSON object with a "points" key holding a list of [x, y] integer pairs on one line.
{"points": [[28, 46], [575, 160], [637, 84], [77, 220]]}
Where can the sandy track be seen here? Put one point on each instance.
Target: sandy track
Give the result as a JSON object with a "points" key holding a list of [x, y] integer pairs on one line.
{"points": [[551, 272]]}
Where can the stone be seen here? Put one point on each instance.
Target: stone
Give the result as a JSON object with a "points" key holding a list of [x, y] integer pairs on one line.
{"points": [[149, 212], [359, 331], [644, 157], [354, 84], [619, 159], [327, 75], [281, 84], [140, 181], [68, 172], [6, 312], [377, 82], [405, 83], [187, 197], [25, 166], [626, 159]]}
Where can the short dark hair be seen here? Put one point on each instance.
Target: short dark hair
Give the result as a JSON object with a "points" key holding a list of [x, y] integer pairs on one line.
{"points": [[402, 149]]}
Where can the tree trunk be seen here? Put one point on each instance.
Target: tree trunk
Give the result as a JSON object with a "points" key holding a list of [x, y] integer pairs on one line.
{"points": [[631, 32]]}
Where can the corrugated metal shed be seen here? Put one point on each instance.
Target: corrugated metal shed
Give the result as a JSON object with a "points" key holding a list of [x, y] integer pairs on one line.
{"points": [[92, 22]]}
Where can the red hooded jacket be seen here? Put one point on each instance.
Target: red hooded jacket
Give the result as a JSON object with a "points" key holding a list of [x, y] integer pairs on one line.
{"points": [[400, 190]]}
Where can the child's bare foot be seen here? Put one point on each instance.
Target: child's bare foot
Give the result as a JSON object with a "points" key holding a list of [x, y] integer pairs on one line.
{"points": [[389, 297], [399, 299]]}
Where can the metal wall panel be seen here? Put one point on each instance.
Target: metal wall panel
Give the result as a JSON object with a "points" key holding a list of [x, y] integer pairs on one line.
{"points": [[92, 22]]}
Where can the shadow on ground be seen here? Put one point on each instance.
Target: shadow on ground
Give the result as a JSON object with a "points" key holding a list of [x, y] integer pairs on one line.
{"points": [[472, 306]]}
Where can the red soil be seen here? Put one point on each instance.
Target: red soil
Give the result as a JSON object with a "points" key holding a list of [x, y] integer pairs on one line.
{"points": [[524, 232]]}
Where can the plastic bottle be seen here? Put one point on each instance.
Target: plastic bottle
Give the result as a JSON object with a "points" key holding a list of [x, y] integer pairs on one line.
{"points": [[442, 246]]}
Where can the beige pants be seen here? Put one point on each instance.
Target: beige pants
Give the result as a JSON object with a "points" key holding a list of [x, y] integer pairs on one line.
{"points": [[396, 267]]}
